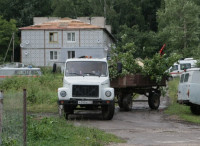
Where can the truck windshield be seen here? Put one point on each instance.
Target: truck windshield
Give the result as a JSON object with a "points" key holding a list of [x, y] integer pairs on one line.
{"points": [[86, 68], [185, 66]]}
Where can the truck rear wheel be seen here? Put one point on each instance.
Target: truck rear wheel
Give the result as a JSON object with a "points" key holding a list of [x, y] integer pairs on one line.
{"points": [[120, 100], [195, 109], [127, 102], [108, 111], [68, 110], [154, 100]]}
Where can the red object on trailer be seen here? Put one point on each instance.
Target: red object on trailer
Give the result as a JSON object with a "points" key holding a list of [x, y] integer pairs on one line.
{"points": [[161, 50]]}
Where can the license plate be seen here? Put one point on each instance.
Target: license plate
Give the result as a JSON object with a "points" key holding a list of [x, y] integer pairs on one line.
{"points": [[85, 102]]}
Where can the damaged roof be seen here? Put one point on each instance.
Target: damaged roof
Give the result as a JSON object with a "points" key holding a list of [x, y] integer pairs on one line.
{"points": [[64, 23]]}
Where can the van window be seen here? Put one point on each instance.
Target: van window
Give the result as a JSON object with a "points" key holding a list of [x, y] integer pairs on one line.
{"points": [[196, 77], [182, 77], [185, 66], [186, 77]]}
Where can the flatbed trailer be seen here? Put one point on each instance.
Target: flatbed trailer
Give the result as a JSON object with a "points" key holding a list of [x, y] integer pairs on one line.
{"points": [[128, 86]]}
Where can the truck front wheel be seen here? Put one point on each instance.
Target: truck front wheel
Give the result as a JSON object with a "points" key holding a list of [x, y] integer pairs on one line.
{"points": [[154, 100], [68, 110], [195, 109], [108, 111]]}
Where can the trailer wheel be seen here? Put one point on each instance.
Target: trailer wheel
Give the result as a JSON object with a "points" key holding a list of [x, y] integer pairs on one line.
{"points": [[195, 109], [127, 102], [108, 111], [154, 100], [68, 110]]}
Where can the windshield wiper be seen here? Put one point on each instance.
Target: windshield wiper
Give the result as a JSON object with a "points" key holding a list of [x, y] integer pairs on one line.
{"points": [[93, 74]]}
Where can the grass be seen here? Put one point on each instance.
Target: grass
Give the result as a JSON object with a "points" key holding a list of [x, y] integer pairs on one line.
{"points": [[55, 131], [43, 108], [181, 111]]}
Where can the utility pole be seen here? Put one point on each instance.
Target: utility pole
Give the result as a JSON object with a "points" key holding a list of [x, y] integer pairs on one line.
{"points": [[105, 12], [13, 58], [8, 49]]}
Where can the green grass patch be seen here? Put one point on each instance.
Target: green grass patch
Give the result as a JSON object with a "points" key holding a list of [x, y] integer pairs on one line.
{"points": [[43, 108], [56, 131], [181, 111]]}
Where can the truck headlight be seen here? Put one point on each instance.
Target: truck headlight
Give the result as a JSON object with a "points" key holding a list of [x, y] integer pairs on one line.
{"points": [[108, 93], [63, 94]]}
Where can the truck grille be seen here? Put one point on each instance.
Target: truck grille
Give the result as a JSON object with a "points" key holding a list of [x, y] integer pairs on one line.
{"points": [[85, 91]]}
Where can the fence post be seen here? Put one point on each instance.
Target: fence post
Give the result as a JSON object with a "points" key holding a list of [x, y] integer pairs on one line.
{"points": [[24, 113], [1, 114]]}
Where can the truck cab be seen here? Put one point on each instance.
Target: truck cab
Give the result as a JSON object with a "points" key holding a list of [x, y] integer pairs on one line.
{"points": [[86, 86], [178, 68]]}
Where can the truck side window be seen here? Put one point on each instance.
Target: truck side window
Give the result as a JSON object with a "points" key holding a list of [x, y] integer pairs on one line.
{"points": [[174, 68], [186, 77], [182, 77]]}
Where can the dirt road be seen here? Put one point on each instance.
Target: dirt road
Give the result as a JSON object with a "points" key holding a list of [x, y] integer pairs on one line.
{"points": [[142, 126]]}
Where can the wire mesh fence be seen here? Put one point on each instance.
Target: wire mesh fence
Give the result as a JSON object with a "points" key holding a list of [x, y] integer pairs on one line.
{"points": [[12, 119]]}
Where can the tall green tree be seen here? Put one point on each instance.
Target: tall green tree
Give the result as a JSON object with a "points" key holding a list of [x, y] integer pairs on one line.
{"points": [[71, 8], [23, 11], [178, 25], [146, 43], [7, 29]]}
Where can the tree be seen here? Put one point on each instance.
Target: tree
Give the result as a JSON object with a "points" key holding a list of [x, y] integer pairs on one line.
{"points": [[178, 25], [23, 11], [7, 29], [146, 42]]}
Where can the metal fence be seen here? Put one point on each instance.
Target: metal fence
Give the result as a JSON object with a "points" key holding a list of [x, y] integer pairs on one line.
{"points": [[13, 118]]}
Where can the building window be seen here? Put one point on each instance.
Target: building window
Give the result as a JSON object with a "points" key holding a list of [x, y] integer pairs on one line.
{"points": [[71, 54], [71, 36], [53, 55], [53, 37]]}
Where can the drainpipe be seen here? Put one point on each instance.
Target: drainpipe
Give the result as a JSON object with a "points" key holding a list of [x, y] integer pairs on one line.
{"points": [[44, 51]]}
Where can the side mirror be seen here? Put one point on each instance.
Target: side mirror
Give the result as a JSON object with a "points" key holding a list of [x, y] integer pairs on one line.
{"points": [[54, 68], [119, 67]]}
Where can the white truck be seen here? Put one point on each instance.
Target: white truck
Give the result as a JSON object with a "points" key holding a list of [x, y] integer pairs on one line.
{"points": [[86, 86], [178, 68], [188, 89]]}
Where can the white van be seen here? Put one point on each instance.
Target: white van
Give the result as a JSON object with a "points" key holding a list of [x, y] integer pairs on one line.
{"points": [[189, 89], [178, 68], [8, 72]]}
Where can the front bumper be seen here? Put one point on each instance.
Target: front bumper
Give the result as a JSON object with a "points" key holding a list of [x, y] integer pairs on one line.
{"points": [[95, 102]]}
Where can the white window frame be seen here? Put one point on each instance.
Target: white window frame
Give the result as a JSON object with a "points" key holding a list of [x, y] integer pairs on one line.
{"points": [[54, 38], [54, 55], [70, 37]]}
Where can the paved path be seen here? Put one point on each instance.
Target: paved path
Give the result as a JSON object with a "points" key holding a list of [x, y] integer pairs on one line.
{"points": [[142, 126]]}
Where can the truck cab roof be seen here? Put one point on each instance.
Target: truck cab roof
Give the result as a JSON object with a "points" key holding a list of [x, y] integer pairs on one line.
{"points": [[87, 59]]}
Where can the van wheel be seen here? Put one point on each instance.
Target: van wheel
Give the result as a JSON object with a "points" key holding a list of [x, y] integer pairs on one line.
{"points": [[67, 111], [127, 102], [108, 111], [195, 109], [154, 100]]}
